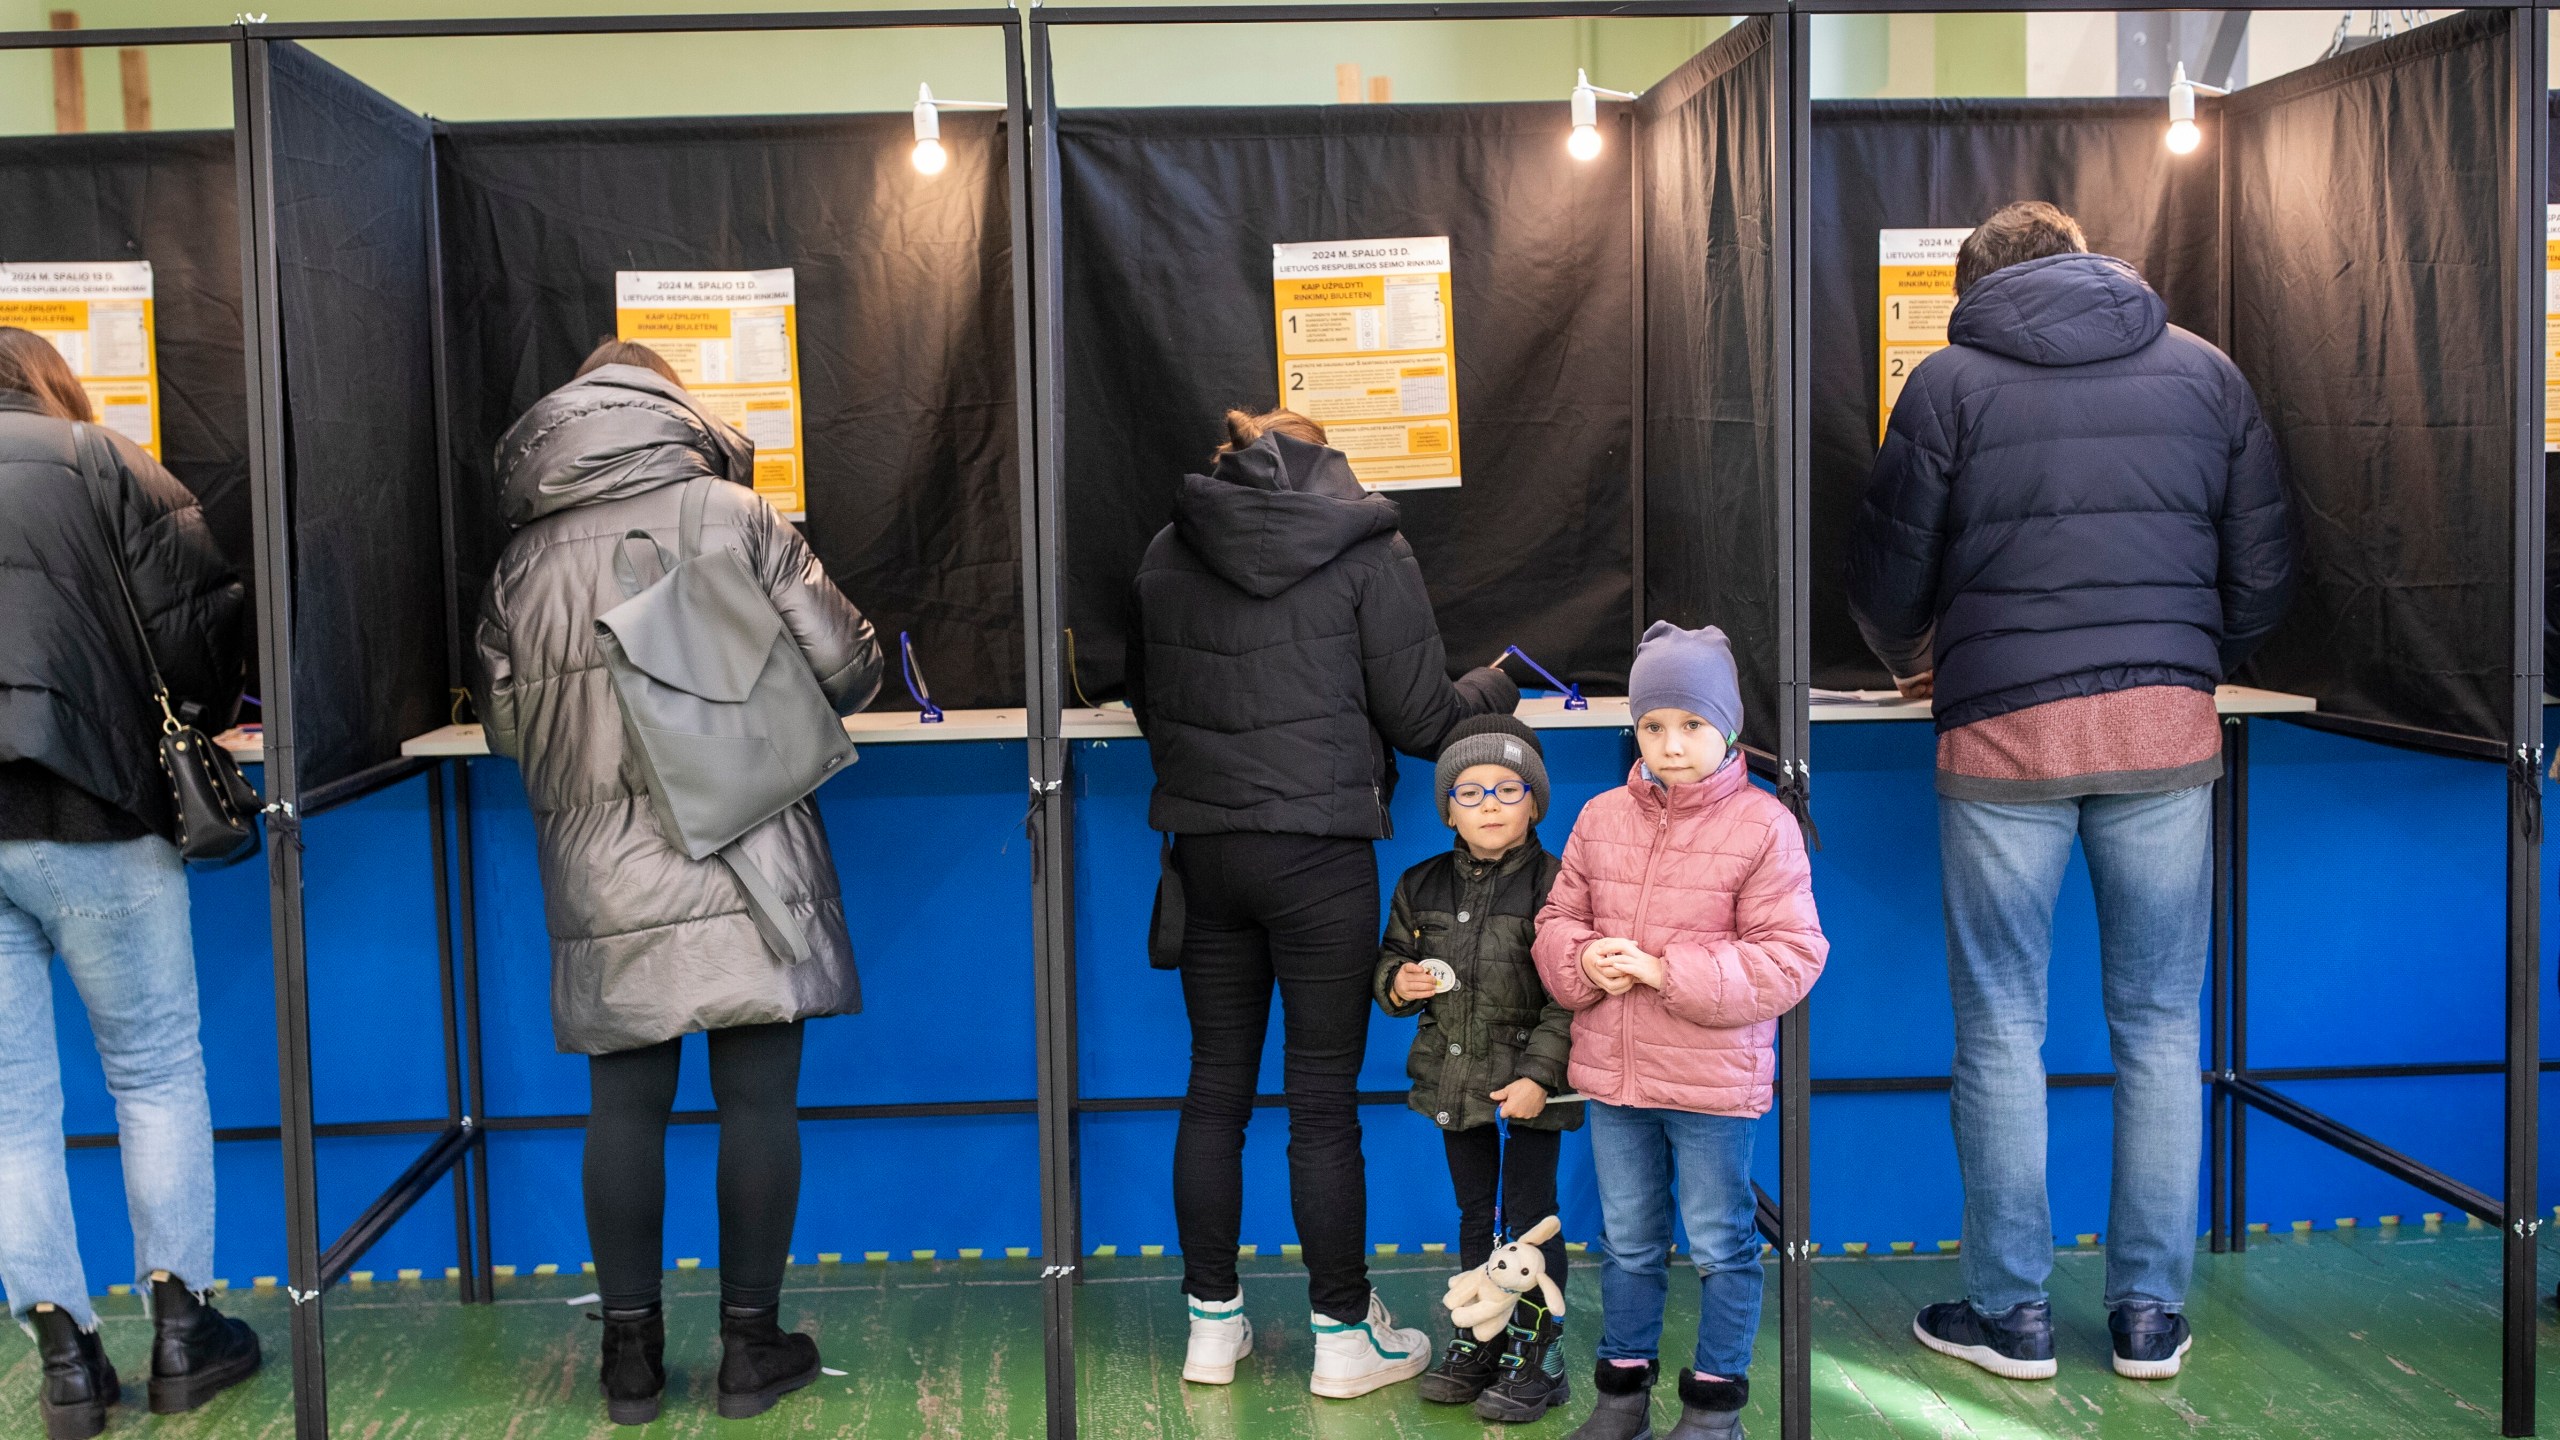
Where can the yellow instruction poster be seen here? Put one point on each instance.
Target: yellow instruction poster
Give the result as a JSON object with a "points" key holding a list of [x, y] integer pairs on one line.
{"points": [[2551, 328], [1366, 352], [99, 316], [733, 336], [1916, 292]]}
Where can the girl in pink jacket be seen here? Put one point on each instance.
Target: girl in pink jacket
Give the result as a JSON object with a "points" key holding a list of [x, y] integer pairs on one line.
{"points": [[1680, 928]]}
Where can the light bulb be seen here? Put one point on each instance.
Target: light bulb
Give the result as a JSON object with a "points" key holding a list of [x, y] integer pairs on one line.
{"points": [[1584, 143], [2184, 137], [931, 157]]}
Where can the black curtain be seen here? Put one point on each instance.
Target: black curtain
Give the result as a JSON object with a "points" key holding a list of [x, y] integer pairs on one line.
{"points": [[353, 253], [1714, 509], [905, 312], [2370, 266], [1907, 164], [170, 198], [1169, 216]]}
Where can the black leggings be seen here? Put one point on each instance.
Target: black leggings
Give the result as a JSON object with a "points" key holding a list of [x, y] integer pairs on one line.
{"points": [[755, 1078], [1301, 912]]}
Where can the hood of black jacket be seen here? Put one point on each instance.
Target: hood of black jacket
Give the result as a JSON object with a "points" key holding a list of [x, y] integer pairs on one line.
{"points": [[1276, 512], [2060, 310], [618, 431]]}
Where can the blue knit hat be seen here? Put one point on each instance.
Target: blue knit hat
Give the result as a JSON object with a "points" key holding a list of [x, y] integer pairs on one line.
{"points": [[1688, 670]]}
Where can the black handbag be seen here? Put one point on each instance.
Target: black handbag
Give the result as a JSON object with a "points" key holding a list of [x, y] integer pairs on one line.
{"points": [[217, 810]]}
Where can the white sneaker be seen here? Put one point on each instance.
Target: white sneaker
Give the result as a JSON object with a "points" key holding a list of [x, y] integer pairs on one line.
{"points": [[1220, 1336], [1356, 1359]]}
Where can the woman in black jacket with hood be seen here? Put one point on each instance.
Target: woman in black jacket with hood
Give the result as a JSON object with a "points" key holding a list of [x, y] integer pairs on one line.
{"points": [[647, 944], [1284, 648]]}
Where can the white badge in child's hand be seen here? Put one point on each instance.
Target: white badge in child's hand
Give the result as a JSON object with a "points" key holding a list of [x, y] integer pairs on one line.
{"points": [[1443, 978]]}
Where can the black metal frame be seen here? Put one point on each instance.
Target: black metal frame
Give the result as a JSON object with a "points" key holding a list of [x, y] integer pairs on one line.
{"points": [[458, 1143], [1787, 1222]]}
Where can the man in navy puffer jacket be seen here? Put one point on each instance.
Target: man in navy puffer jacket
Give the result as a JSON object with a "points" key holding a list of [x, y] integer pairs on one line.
{"points": [[2076, 527]]}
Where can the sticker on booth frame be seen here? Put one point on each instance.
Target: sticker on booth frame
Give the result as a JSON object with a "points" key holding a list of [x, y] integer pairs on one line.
{"points": [[1916, 293], [99, 316], [733, 337], [1366, 350]]}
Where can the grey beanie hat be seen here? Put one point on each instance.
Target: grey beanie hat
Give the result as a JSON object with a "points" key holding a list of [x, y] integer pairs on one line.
{"points": [[1494, 740], [1688, 670]]}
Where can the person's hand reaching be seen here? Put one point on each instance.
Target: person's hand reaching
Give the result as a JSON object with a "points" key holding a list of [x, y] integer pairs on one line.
{"points": [[1415, 983], [1918, 687]]}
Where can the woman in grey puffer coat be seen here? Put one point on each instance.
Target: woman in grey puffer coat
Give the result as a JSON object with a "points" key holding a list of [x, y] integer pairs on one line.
{"points": [[648, 945]]}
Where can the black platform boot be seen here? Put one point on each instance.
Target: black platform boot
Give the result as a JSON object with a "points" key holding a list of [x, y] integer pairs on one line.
{"points": [[197, 1352], [1624, 1410], [634, 1371], [1710, 1409], [1532, 1380], [78, 1382], [760, 1362]]}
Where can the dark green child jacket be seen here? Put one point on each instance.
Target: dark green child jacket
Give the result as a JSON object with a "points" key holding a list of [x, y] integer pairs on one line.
{"points": [[1498, 1025]]}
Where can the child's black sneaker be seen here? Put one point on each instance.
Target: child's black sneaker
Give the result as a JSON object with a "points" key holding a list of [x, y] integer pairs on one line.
{"points": [[1532, 1380], [2151, 1340], [2016, 1344], [1624, 1408], [1710, 1409], [1465, 1369]]}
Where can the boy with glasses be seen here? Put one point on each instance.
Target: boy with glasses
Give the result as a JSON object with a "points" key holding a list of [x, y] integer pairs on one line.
{"points": [[1492, 1045]]}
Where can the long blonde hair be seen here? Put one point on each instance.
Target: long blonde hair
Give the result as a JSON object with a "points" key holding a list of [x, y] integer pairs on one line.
{"points": [[30, 364]]}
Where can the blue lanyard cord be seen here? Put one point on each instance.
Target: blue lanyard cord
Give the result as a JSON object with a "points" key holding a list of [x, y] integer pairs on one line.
{"points": [[1572, 693], [916, 688]]}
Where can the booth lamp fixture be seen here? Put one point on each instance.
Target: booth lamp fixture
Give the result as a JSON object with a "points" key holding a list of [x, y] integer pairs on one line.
{"points": [[930, 156], [2183, 134], [1584, 143]]}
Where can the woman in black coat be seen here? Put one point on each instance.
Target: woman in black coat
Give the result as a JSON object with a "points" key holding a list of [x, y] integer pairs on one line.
{"points": [[1284, 648]]}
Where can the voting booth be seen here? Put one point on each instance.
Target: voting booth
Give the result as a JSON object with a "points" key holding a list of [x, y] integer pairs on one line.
{"points": [[1586, 431], [2362, 237], [416, 286]]}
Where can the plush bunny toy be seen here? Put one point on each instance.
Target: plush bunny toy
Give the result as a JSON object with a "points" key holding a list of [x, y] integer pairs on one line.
{"points": [[1481, 1299]]}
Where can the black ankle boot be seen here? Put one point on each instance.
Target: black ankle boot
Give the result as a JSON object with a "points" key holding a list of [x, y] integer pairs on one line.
{"points": [[1624, 1407], [760, 1362], [1710, 1409], [634, 1370], [1465, 1369], [79, 1384], [196, 1351], [1531, 1381]]}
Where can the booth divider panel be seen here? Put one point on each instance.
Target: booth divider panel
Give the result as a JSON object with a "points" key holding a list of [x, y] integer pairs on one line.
{"points": [[1169, 219], [1714, 510], [1880, 164], [905, 333], [171, 198], [367, 528], [2369, 276]]}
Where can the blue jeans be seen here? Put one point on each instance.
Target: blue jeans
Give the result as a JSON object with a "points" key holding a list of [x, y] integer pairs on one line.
{"points": [[117, 914], [2151, 865], [1643, 1157]]}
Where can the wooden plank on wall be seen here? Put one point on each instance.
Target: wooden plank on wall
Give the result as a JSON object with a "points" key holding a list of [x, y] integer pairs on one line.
{"points": [[134, 69], [1346, 83], [70, 82]]}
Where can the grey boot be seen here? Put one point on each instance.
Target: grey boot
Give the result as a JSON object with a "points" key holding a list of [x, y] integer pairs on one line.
{"points": [[1624, 1410], [1710, 1409]]}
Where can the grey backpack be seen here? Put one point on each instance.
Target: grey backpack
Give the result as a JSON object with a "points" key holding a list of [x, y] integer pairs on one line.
{"points": [[718, 704]]}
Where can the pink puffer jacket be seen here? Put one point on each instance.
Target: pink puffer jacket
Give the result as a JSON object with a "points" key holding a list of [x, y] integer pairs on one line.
{"points": [[1712, 877]]}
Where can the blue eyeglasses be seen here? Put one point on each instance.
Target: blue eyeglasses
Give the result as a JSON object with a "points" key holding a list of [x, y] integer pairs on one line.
{"points": [[1509, 792]]}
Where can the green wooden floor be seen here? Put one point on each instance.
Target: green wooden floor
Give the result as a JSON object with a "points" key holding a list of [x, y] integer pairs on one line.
{"points": [[2326, 1336]]}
